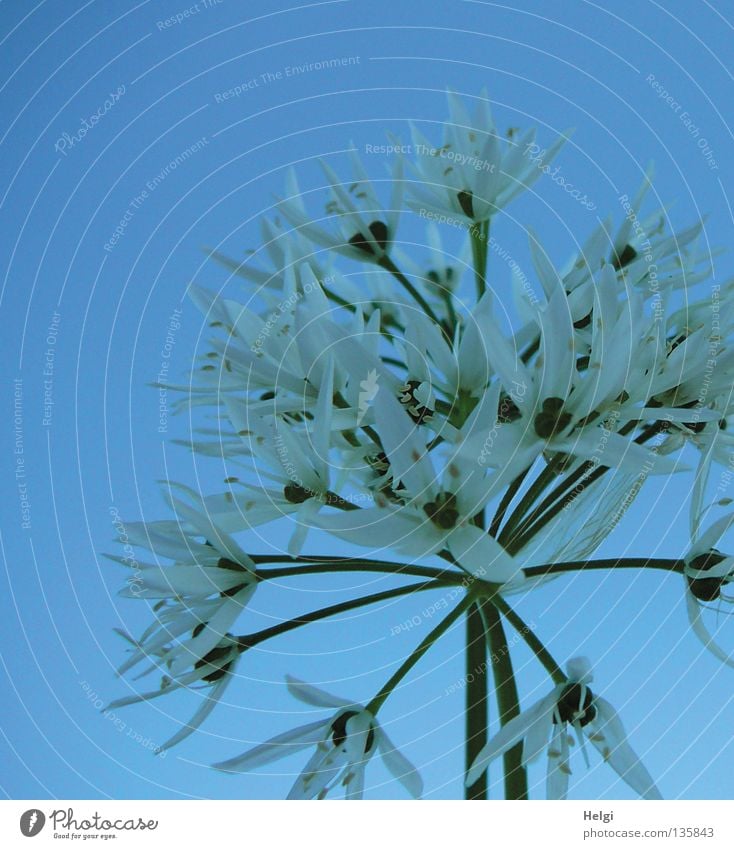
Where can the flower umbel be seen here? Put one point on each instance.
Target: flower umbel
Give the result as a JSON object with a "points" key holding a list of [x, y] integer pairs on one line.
{"points": [[458, 412]]}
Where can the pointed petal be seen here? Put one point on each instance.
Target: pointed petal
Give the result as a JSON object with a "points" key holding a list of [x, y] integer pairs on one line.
{"points": [[354, 783], [313, 695], [210, 702], [506, 738], [617, 752], [482, 556], [276, 748], [399, 766], [556, 782], [695, 617]]}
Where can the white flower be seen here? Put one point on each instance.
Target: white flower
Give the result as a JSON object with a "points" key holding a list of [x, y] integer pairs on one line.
{"points": [[425, 512], [362, 228], [707, 572], [641, 252], [344, 742], [293, 468], [283, 249], [442, 270], [545, 725], [212, 673], [201, 593], [473, 174], [562, 401]]}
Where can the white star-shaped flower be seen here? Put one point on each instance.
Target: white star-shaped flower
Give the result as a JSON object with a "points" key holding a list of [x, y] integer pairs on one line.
{"points": [[345, 743]]}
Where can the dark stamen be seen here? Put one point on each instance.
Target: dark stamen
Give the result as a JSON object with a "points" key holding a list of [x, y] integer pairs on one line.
{"points": [[507, 411], [570, 708], [442, 512], [339, 730], [625, 258], [466, 202], [378, 231], [706, 589], [551, 420], [295, 493]]}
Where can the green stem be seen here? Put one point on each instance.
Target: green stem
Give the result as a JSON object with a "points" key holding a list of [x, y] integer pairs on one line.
{"points": [[319, 565], [533, 643], [246, 641], [562, 495], [626, 563], [374, 706], [526, 502], [448, 297], [477, 704], [390, 266], [479, 234], [508, 701], [510, 493]]}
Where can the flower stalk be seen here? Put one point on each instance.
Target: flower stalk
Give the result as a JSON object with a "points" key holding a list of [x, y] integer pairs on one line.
{"points": [[508, 701]]}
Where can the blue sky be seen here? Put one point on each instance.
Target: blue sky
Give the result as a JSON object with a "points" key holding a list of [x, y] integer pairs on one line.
{"points": [[639, 81]]}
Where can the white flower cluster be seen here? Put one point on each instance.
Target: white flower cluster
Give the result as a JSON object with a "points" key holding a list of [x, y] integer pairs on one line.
{"points": [[382, 409]]}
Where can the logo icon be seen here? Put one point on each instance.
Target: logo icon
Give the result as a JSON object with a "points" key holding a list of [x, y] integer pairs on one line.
{"points": [[368, 390], [31, 822]]}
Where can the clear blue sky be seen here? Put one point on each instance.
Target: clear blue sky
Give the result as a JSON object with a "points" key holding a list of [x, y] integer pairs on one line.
{"points": [[578, 64]]}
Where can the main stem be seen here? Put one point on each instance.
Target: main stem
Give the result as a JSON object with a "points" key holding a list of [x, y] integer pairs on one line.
{"points": [[508, 701], [476, 710]]}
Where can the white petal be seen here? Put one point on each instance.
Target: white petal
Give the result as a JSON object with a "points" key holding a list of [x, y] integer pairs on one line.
{"points": [[380, 529], [617, 752], [213, 632], [313, 695], [506, 738], [210, 702], [354, 782], [157, 582], [399, 766], [404, 445], [556, 782], [579, 669], [197, 517], [183, 681], [324, 765], [276, 748], [536, 737], [482, 556], [619, 452], [712, 535], [695, 617]]}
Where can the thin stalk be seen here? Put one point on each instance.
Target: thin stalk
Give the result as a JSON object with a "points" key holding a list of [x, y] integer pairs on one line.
{"points": [[532, 642], [479, 234], [246, 641], [476, 711], [376, 703], [508, 701], [509, 494], [626, 563], [526, 502], [448, 297], [562, 495], [390, 266], [338, 564]]}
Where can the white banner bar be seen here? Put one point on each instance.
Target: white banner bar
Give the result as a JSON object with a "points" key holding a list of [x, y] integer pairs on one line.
{"points": [[365, 825]]}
